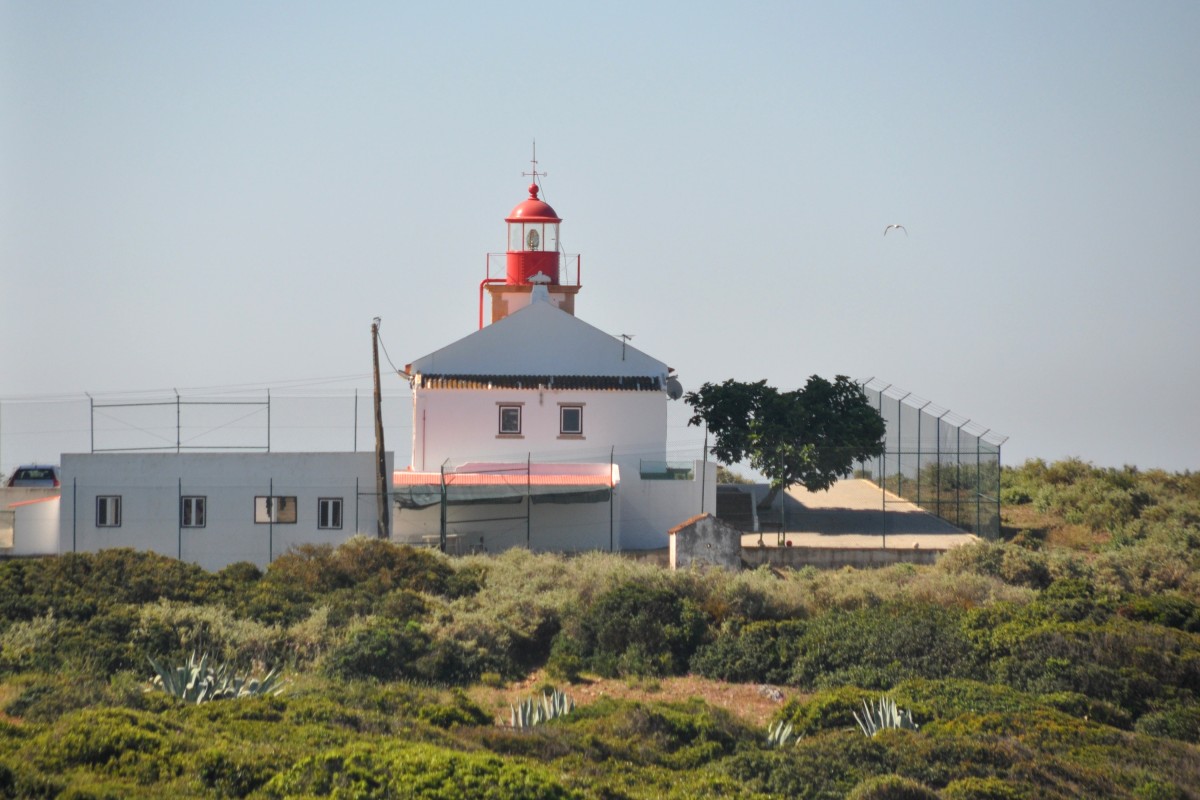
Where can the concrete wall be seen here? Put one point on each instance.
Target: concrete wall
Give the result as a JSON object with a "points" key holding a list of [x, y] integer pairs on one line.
{"points": [[836, 557], [151, 485]]}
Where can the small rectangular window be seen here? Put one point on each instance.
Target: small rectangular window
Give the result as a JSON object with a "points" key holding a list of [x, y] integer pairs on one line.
{"points": [[510, 420], [191, 512], [108, 511], [275, 509], [570, 420], [329, 513]]}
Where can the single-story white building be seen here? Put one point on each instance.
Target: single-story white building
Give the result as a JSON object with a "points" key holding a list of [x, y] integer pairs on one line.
{"points": [[215, 509]]}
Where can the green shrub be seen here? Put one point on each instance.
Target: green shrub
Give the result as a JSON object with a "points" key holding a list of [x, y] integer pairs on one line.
{"points": [[675, 735], [42, 697], [757, 652], [20, 781], [1182, 723], [118, 742], [48, 643], [1012, 563], [76, 585], [418, 772], [1015, 496], [988, 788], [567, 660], [235, 578], [638, 627], [876, 647], [950, 697], [466, 580], [891, 787], [1081, 706], [448, 661], [831, 709], [169, 628], [461, 710], [1170, 609], [827, 767], [1159, 790], [231, 771], [350, 579], [1127, 664], [380, 648], [1071, 600], [28, 645], [403, 604]]}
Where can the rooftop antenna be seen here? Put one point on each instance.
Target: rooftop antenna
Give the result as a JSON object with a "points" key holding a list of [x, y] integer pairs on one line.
{"points": [[625, 337], [533, 167]]}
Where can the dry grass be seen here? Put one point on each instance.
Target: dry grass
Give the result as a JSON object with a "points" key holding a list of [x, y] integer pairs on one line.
{"points": [[8, 693], [752, 703], [1051, 529]]}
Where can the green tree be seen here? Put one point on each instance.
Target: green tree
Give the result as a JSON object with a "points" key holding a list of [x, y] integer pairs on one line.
{"points": [[810, 436]]}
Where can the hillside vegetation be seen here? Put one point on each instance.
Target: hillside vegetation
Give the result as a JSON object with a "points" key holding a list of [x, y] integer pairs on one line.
{"points": [[1062, 662]]}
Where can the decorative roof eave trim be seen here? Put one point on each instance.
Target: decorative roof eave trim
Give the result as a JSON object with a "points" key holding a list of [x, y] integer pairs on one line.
{"points": [[628, 383]]}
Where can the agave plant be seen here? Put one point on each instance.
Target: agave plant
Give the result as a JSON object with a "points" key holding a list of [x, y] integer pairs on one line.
{"points": [[199, 681], [884, 715], [780, 735], [531, 711]]}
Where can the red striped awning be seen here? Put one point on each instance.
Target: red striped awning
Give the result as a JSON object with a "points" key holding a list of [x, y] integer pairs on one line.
{"points": [[405, 478]]}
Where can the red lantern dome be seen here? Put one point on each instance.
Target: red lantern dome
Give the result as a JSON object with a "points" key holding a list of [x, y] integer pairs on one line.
{"points": [[532, 240]]}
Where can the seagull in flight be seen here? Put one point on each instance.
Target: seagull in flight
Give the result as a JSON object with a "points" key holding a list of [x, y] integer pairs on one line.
{"points": [[895, 225]]}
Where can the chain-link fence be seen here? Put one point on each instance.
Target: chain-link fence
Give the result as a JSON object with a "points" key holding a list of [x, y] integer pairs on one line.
{"points": [[944, 463]]}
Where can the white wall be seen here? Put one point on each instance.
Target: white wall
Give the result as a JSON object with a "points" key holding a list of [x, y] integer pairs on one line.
{"points": [[35, 528], [653, 507], [463, 424], [150, 486]]}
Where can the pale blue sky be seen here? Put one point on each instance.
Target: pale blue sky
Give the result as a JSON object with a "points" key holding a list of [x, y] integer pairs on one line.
{"points": [[214, 194]]}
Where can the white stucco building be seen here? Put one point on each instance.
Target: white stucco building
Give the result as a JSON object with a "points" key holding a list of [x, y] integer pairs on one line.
{"points": [[214, 509]]}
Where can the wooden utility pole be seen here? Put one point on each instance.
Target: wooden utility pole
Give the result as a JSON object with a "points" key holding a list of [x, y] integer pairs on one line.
{"points": [[382, 506]]}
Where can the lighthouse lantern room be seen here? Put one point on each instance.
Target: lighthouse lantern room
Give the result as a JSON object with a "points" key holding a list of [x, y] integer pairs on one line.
{"points": [[532, 240], [533, 257]]}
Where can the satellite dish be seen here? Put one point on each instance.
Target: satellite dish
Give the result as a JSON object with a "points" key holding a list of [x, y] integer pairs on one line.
{"points": [[674, 389]]}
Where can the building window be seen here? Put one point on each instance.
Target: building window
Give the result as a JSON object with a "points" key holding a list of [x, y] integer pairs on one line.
{"points": [[108, 511], [570, 420], [510, 420], [278, 510], [191, 512], [329, 513]]}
